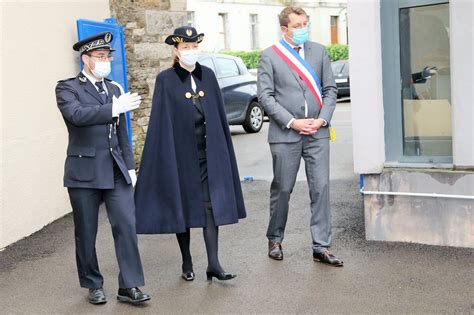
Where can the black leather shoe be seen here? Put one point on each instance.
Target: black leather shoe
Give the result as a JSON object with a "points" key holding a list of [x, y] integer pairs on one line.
{"points": [[97, 296], [132, 295], [188, 276], [275, 251], [223, 276], [327, 258]]}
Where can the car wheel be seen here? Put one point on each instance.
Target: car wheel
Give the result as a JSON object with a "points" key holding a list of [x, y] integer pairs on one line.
{"points": [[254, 118]]}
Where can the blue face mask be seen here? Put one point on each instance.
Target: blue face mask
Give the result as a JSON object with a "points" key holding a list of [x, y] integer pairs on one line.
{"points": [[300, 35]]}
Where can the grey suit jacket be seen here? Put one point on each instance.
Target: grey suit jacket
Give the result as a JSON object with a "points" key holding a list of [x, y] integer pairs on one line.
{"points": [[282, 93]]}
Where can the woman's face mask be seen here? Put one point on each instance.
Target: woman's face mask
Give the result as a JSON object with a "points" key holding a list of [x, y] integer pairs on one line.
{"points": [[189, 57]]}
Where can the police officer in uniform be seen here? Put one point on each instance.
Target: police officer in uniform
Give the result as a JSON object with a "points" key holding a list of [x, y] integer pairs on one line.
{"points": [[100, 167]]}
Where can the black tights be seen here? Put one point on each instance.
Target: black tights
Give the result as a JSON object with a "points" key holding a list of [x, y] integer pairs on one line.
{"points": [[211, 235]]}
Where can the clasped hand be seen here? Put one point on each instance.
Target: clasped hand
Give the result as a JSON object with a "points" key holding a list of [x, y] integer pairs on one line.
{"points": [[307, 127]]}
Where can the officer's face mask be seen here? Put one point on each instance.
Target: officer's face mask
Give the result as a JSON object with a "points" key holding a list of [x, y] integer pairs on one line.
{"points": [[189, 57], [101, 69], [300, 35]]}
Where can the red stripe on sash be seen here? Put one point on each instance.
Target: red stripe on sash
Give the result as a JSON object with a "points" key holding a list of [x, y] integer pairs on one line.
{"points": [[300, 73]]}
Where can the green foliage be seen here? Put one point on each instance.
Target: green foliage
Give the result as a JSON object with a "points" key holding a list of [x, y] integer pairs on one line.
{"points": [[338, 52], [250, 58]]}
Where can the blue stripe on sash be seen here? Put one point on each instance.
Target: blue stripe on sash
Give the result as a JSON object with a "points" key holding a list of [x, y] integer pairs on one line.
{"points": [[304, 64]]}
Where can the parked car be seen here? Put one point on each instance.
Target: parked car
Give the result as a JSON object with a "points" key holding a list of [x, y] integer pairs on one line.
{"points": [[340, 69], [239, 90]]}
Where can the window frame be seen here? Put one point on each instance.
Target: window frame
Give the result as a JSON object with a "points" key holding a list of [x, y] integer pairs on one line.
{"points": [[392, 98]]}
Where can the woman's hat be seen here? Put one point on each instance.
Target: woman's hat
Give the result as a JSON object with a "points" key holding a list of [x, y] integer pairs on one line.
{"points": [[184, 34]]}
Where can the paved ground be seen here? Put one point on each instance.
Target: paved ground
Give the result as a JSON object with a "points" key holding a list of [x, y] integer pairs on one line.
{"points": [[38, 275]]}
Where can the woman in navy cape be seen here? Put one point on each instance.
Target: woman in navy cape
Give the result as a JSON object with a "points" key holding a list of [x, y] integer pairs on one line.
{"points": [[188, 174]]}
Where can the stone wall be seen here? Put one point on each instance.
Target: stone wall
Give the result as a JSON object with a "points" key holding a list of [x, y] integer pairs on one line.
{"points": [[147, 23]]}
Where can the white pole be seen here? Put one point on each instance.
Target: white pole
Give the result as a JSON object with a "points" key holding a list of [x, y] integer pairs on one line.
{"points": [[431, 195]]}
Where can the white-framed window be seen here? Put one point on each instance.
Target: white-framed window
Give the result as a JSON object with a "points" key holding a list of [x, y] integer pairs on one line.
{"points": [[254, 31], [190, 18], [223, 39]]}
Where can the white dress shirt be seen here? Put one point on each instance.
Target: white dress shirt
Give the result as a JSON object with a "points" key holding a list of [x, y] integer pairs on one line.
{"points": [[193, 84], [93, 81]]}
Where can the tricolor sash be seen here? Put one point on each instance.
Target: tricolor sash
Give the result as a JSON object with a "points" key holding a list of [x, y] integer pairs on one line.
{"points": [[306, 73], [300, 66]]}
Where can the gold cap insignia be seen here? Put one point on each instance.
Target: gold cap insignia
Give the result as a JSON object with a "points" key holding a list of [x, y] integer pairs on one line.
{"points": [[189, 32]]}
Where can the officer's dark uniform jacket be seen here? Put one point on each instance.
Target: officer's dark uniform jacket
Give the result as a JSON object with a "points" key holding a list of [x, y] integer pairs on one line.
{"points": [[96, 140]]}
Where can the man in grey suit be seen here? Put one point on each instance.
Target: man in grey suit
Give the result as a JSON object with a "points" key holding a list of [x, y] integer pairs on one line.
{"points": [[298, 129], [100, 167]]}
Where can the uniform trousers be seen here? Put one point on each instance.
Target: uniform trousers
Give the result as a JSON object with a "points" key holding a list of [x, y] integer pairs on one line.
{"points": [[120, 207]]}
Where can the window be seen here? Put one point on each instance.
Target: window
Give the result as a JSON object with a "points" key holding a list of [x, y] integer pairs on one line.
{"points": [[190, 17], [337, 67], [253, 31], [334, 29], [416, 81], [425, 73], [227, 67], [207, 62], [222, 43], [346, 69]]}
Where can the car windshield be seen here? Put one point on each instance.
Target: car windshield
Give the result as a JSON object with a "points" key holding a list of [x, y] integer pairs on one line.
{"points": [[337, 67]]}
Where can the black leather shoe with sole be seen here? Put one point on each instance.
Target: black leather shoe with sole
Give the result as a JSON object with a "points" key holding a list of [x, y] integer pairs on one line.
{"points": [[188, 276], [97, 296], [132, 295], [327, 258]]}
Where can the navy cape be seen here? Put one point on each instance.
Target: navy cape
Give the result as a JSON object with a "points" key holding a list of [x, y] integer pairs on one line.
{"points": [[168, 194]]}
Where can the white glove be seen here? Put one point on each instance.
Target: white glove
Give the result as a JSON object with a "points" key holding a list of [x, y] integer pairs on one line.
{"points": [[133, 176], [125, 103]]}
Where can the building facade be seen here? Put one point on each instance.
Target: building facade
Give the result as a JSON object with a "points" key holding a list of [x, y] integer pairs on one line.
{"points": [[413, 118], [246, 25], [36, 52]]}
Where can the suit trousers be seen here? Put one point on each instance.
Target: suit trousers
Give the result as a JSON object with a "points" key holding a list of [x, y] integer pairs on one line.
{"points": [[120, 206], [286, 162]]}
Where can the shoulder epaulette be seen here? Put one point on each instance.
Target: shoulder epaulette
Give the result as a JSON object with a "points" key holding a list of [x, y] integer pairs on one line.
{"points": [[66, 80]]}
